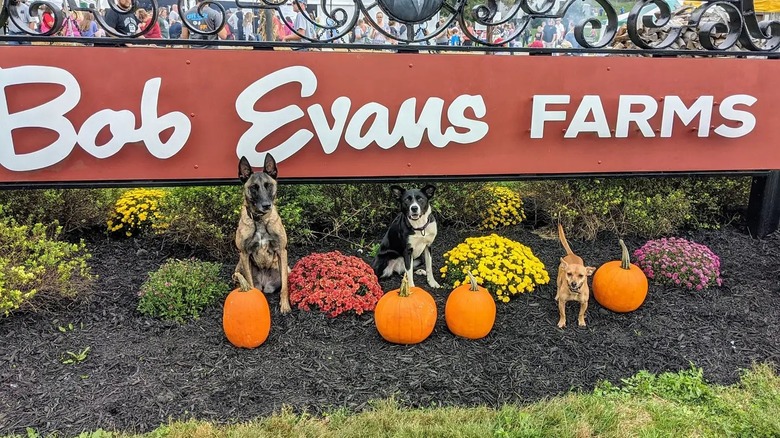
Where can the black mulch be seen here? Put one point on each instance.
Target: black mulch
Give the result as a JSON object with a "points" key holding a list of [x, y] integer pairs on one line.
{"points": [[141, 372]]}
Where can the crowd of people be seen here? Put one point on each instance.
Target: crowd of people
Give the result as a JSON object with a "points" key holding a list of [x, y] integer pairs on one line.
{"points": [[131, 21], [246, 25], [552, 33], [83, 24]]}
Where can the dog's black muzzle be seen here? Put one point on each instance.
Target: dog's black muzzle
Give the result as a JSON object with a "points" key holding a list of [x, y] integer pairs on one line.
{"points": [[260, 210], [574, 288]]}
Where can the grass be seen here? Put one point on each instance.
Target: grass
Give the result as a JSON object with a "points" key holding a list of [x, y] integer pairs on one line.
{"points": [[678, 404]]}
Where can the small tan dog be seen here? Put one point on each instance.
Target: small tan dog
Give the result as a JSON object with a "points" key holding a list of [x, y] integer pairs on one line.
{"points": [[572, 282]]}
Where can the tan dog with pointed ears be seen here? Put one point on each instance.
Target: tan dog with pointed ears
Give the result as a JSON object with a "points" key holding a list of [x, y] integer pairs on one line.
{"points": [[572, 282], [260, 236]]}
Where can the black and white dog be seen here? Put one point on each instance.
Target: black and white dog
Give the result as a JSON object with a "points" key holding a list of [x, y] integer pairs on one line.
{"points": [[409, 236]]}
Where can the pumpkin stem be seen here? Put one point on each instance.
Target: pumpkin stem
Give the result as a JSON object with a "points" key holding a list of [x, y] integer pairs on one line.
{"points": [[243, 284], [625, 261], [404, 290], [474, 285]]}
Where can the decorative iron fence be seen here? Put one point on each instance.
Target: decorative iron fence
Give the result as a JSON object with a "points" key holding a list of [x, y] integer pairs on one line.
{"points": [[719, 26]]}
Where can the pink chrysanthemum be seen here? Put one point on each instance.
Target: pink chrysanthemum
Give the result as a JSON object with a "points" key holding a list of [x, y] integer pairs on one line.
{"points": [[679, 262]]}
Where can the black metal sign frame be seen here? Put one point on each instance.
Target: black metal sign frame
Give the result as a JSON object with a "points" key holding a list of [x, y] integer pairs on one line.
{"points": [[734, 24]]}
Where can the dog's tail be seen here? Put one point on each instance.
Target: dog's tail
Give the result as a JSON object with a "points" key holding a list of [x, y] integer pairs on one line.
{"points": [[562, 236]]}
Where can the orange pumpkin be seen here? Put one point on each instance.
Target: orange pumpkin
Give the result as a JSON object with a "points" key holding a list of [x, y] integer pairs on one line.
{"points": [[406, 315], [470, 311], [246, 316], [620, 285]]}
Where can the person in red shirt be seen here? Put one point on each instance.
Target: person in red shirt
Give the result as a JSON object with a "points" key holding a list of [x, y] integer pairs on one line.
{"points": [[47, 19], [537, 42], [145, 18]]}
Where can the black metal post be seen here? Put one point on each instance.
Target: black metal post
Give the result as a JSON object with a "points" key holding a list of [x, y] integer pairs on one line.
{"points": [[763, 215], [268, 32]]}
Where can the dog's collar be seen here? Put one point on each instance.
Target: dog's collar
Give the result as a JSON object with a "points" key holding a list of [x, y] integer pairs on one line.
{"points": [[422, 228]]}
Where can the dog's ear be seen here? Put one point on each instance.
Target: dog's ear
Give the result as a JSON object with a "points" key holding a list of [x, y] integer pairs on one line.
{"points": [[429, 191], [590, 270], [564, 265], [244, 170], [269, 166], [397, 191]]}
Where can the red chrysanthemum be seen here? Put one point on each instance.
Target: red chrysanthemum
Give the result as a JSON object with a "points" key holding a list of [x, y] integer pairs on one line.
{"points": [[333, 283]]}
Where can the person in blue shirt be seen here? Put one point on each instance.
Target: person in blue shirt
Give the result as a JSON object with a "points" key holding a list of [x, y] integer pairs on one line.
{"points": [[570, 37], [455, 38]]}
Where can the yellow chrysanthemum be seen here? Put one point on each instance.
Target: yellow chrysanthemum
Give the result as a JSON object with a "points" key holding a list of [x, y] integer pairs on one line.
{"points": [[503, 266], [136, 210]]}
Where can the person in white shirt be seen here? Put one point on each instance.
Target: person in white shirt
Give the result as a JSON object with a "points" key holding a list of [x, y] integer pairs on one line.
{"points": [[174, 14], [20, 13], [301, 24]]}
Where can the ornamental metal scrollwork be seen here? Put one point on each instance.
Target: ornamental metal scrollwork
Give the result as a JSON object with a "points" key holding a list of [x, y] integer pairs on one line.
{"points": [[36, 8], [719, 25]]}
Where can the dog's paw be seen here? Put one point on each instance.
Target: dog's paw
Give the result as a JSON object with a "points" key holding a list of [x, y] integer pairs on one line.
{"points": [[561, 324], [581, 323], [420, 272], [432, 283], [285, 308]]}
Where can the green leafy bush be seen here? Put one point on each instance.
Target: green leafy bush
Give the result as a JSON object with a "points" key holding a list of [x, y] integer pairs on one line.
{"points": [[685, 386], [33, 261], [204, 217], [456, 206], [73, 209], [181, 289], [354, 211], [649, 207], [346, 210], [715, 201]]}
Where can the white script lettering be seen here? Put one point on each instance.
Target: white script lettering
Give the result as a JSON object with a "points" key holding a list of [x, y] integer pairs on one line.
{"points": [[51, 115], [357, 131]]}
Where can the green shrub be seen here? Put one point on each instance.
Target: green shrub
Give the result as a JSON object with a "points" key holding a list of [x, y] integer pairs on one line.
{"points": [[457, 206], [33, 261], [207, 217], [181, 289], [685, 386], [137, 211], [649, 207], [73, 209], [715, 201], [346, 210], [354, 211], [204, 217]]}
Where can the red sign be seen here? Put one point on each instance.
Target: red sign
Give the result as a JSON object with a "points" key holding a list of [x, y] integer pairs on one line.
{"points": [[72, 114]]}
